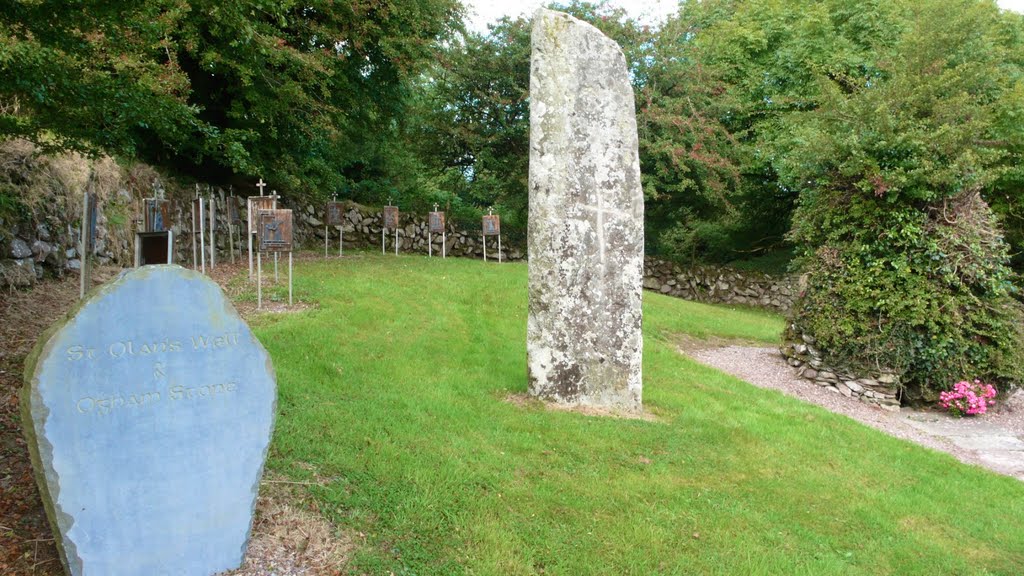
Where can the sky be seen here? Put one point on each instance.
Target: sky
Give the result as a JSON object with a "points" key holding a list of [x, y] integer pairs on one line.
{"points": [[483, 12]]}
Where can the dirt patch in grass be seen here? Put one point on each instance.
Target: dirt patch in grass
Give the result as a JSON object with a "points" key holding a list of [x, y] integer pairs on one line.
{"points": [[526, 401]]}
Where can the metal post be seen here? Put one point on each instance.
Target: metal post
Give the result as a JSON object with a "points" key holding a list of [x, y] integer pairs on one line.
{"points": [[499, 248], [259, 280], [326, 238], [248, 231], [84, 237], [275, 267], [213, 237], [289, 278], [382, 241], [231, 238], [430, 244], [341, 241], [396, 241], [170, 246], [485, 247], [195, 260], [202, 238], [444, 244]]}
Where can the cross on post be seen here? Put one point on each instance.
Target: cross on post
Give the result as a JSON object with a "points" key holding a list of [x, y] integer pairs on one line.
{"points": [[261, 185], [600, 210]]}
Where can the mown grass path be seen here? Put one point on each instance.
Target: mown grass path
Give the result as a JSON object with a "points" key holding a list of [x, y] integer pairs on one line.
{"points": [[394, 388]]}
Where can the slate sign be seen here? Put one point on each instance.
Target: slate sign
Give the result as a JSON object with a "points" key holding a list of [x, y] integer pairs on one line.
{"points": [[275, 232], [90, 221], [335, 211], [391, 217], [148, 413], [234, 216], [157, 215], [197, 214], [256, 205], [436, 221], [492, 225]]}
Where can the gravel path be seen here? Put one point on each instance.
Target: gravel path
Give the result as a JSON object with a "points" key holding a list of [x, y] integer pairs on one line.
{"points": [[995, 441]]}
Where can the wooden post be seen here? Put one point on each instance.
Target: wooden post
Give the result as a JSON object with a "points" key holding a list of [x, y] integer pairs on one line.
{"points": [[289, 278], [259, 280]]}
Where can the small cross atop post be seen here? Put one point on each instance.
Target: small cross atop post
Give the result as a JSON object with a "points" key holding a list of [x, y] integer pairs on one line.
{"points": [[435, 206], [261, 184]]}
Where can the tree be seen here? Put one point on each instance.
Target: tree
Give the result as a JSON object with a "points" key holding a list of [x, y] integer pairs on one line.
{"points": [[907, 269], [302, 93]]}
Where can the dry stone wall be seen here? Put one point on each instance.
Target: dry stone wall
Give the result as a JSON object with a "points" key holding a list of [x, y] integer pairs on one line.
{"points": [[717, 285], [881, 388]]}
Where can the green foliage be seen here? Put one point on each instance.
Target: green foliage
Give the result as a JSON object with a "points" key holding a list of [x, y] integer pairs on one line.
{"points": [[303, 94], [392, 405], [906, 267]]}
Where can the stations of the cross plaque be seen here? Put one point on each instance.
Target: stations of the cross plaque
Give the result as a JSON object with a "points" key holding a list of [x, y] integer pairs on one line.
{"points": [[274, 235], [491, 227], [253, 205], [390, 217], [435, 225], [334, 218]]}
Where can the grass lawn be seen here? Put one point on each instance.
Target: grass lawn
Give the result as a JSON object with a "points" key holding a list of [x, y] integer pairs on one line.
{"points": [[394, 390]]}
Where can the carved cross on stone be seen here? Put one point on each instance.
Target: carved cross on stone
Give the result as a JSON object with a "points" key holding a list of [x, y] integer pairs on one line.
{"points": [[600, 210]]}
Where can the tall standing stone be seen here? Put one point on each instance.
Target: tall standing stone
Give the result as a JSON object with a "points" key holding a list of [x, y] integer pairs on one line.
{"points": [[148, 413], [586, 233]]}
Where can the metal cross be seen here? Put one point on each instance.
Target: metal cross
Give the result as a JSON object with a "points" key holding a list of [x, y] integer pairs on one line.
{"points": [[600, 210], [261, 184]]}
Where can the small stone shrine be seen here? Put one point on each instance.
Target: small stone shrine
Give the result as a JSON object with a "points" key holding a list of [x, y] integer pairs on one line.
{"points": [[148, 412], [586, 227], [154, 244]]}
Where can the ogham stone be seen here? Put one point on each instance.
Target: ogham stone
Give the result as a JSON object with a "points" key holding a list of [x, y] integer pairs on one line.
{"points": [[148, 412], [586, 234]]}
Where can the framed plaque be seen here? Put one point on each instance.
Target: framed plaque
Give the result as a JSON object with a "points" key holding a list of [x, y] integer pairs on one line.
{"points": [[90, 223], [258, 204], [436, 220], [157, 216], [335, 212], [234, 214], [492, 225], [197, 214], [391, 217], [275, 230]]}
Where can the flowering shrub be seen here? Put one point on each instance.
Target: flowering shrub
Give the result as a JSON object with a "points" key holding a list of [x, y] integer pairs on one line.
{"points": [[968, 398]]}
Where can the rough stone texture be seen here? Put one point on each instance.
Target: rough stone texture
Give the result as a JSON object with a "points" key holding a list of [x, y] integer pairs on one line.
{"points": [[720, 285], [881, 389], [585, 237], [148, 413]]}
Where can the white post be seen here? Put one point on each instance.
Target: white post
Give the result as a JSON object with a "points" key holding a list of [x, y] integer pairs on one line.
{"points": [[202, 238], [195, 260], [326, 238], [485, 247], [248, 231], [289, 278], [259, 280], [396, 241], [275, 267], [170, 246], [430, 244], [444, 244], [499, 248], [341, 241], [382, 241], [138, 250], [84, 237], [213, 237]]}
